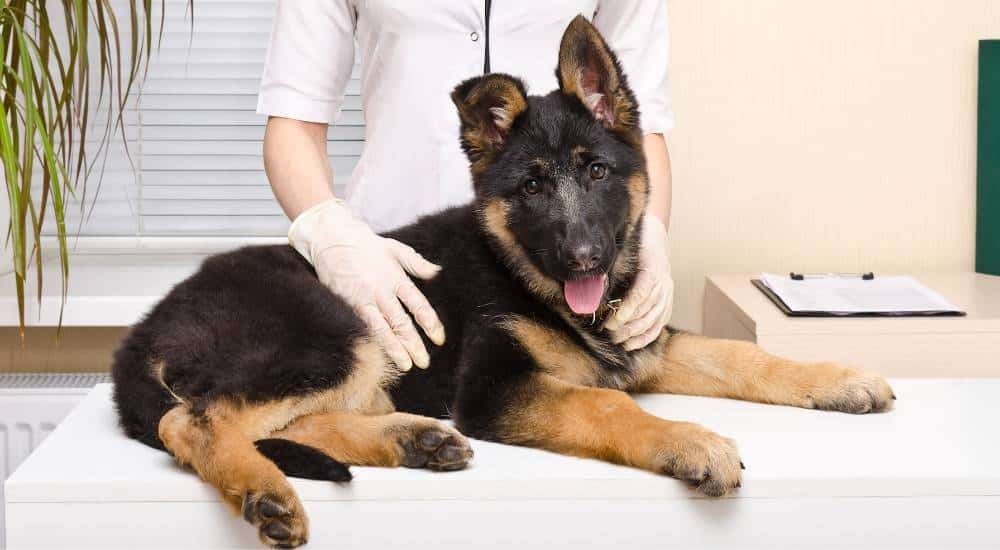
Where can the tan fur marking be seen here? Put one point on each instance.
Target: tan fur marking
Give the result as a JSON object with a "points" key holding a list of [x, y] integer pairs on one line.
{"points": [[348, 437], [569, 62], [638, 195], [218, 449], [381, 403], [581, 40], [359, 439], [638, 191], [223, 455], [485, 135], [361, 391], [696, 365], [543, 164], [156, 368], [364, 389], [606, 424], [647, 363], [494, 216], [554, 352], [218, 443]]}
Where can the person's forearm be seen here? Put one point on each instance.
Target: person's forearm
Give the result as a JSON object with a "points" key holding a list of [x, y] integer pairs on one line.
{"points": [[660, 182], [296, 164]]}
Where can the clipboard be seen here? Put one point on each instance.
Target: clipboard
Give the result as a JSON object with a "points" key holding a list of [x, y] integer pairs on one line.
{"points": [[791, 313]]}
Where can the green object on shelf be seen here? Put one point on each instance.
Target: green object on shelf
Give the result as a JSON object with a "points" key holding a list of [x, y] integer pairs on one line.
{"points": [[988, 170]]}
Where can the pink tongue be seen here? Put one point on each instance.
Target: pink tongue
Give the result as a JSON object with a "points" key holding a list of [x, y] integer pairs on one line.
{"points": [[584, 295]]}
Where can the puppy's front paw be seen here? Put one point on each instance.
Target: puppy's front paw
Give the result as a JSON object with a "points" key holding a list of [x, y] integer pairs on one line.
{"points": [[852, 391], [701, 457]]}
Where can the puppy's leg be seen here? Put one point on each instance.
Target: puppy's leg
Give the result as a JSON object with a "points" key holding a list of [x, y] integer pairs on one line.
{"points": [[696, 365], [390, 440], [607, 424], [532, 385], [218, 448]]}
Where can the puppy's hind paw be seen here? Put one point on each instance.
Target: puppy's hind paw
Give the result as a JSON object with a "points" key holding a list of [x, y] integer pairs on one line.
{"points": [[435, 447], [280, 523]]}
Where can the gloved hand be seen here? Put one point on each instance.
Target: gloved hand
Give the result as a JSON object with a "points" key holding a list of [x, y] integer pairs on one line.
{"points": [[370, 273], [646, 308]]}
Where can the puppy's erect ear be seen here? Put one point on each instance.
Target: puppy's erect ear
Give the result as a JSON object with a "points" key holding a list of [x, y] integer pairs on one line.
{"points": [[589, 70], [488, 106]]}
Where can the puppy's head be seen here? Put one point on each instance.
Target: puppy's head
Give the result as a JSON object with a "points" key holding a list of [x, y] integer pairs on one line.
{"points": [[560, 179]]}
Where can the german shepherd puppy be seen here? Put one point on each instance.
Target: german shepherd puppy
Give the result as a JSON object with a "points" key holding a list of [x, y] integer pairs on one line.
{"points": [[252, 369]]}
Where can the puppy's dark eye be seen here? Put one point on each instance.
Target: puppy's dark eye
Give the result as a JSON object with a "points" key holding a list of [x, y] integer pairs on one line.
{"points": [[598, 171], [532, 186]]}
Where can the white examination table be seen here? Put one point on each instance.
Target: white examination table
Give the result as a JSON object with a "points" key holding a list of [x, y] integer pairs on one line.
{"points": [[925, 474]]}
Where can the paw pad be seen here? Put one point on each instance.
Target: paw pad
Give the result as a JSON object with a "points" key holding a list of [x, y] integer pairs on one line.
{"points": [[277, 526], [436, 449]]}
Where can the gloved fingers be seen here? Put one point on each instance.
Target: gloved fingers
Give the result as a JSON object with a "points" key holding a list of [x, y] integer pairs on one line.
{"points": [[646, 338], [383, 335], [666, 306], [643, 317], [636, 296], [639, 325], [412, 262], [421, 309], [402, 327], [668, 290]]}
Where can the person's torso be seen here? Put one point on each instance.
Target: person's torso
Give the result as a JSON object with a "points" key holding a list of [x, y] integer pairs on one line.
{"points": [[412, 55]]}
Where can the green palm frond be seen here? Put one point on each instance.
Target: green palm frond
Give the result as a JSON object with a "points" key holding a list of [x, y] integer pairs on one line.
{"points": [[63, 60]]}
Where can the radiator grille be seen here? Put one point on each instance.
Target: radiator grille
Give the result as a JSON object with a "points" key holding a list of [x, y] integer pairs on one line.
{"points": [[31, 405], [31, 380]]}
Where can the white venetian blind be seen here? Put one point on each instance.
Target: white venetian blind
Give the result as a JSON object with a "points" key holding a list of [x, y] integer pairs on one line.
{"points": [[195, 140]]}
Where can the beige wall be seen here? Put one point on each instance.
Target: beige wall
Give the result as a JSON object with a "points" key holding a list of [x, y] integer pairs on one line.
{"points": [[76, 349], [823, 135]]}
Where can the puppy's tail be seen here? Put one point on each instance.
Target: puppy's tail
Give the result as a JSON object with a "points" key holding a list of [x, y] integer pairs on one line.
{"points": [[298, 460]]}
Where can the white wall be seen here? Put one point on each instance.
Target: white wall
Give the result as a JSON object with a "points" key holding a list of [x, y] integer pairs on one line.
{"points": [[823, 135]]}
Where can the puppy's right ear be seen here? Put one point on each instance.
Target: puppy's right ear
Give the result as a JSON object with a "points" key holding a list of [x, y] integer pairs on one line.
{"points": [[488, 106]]}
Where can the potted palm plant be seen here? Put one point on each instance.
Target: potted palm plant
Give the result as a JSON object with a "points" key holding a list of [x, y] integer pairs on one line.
{"points": [[63, 61]]}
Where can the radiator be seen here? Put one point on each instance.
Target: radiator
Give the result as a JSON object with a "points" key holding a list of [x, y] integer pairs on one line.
{"points": [[30, 407]]}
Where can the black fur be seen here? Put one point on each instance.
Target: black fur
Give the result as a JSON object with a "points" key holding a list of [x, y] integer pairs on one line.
{"points": [[253, 324], [298, 460], [256, 324]]}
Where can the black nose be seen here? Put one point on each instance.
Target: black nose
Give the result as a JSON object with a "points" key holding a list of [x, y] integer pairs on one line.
{"points": [[583, 257]]}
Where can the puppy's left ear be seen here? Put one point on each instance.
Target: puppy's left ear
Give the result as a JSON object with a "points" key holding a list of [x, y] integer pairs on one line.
{"points": [[488, 106], [589, 70]]}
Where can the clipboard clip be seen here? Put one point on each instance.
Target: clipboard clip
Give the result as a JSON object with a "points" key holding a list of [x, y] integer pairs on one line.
{"points": [[803, 276]]}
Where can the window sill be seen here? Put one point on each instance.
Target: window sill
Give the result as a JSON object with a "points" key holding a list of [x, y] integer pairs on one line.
{"points": [[113, 282], [164, 245]]}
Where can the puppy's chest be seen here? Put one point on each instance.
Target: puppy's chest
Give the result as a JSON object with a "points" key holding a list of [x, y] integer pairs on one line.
{"points": [[577, 355]]}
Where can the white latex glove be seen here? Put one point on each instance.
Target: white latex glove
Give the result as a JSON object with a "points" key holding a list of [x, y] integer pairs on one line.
{"points": [[646, 308], [370, 273]]}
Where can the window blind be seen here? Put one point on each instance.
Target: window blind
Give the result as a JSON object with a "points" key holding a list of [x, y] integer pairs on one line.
{"points": [[195, 141]]}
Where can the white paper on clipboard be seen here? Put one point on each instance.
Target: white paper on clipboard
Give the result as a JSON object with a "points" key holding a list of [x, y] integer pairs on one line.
{"points": [[897, 294]]}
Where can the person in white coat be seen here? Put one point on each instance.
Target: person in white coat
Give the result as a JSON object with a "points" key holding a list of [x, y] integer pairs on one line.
{"points": [[412, 55]]}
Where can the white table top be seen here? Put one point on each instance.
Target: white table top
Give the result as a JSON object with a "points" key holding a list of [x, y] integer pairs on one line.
{"points": [[975, 293], [940, 440]]}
